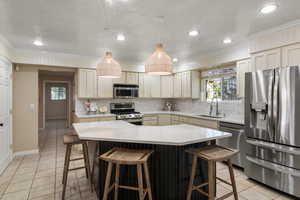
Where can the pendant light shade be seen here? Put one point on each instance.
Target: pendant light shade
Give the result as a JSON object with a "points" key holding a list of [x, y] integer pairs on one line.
{"points": [[108, 67], [159, 62]]}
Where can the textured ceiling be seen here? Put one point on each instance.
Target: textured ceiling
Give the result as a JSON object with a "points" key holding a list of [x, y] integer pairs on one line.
{"points": [[89, 27]]}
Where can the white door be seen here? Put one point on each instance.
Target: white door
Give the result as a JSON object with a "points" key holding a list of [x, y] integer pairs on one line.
{"points": [[291, 55], [5, 118]]}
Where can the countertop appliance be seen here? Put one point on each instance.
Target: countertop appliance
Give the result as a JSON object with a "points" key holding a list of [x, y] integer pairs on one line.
{"points": [[126, 111], [272, 114], [125, 91], [237, 141]]}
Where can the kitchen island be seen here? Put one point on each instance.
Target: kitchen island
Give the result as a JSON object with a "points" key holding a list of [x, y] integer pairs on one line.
{"points": [[169, 165]]}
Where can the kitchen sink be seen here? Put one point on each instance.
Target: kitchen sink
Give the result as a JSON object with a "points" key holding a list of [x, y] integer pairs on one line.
{"points": [[212, 116]]}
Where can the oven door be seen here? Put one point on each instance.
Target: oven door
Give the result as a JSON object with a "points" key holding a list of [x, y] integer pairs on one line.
{"points": [[125, 92]]}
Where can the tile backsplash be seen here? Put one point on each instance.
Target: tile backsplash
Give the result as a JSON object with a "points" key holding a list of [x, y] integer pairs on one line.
{"points": [[230, 108]]}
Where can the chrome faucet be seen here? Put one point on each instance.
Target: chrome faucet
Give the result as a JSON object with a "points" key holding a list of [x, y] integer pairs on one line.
{"points": [[211, 107]]}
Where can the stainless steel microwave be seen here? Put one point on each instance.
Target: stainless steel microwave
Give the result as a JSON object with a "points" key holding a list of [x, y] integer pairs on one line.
{"points": [[126, 91]]}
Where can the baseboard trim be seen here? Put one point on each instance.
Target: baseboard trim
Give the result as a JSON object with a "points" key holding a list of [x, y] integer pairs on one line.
{"points": [[24, 153]]}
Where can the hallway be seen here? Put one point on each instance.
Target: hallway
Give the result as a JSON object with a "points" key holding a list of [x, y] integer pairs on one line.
{"points": [[39, 177]]}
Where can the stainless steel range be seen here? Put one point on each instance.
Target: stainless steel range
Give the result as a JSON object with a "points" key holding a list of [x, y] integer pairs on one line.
{"points": [[126, 111], [272, 127]]}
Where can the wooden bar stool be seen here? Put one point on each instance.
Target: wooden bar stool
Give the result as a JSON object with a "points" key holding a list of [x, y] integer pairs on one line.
{"points": [[212, 154], [120, 156], [70, 140]]}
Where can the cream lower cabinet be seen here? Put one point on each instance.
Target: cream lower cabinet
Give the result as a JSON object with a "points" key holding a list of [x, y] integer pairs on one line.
{"points": [[266, 60], [150, 120], [242, 67], [291, 55], [167, 84], [164, 120], [93, 119]]}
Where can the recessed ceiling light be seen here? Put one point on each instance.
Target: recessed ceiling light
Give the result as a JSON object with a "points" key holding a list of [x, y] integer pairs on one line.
{"points": [[175, 59], [38, 42], [227, 41], [269, 8], [121, 37], [193, 33]]}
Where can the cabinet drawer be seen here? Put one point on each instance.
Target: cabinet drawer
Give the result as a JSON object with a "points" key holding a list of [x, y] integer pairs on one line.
{"points": [[150, 118], [150, 123], [204, 123], [92, 119], [106, 118], [175, 118]]}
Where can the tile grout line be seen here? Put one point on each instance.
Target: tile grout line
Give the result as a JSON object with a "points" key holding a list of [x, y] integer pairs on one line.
{"points": [[10, 180]]}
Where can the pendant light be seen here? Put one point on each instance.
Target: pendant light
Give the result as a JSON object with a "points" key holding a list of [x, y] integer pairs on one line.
{"points": [[108, 67], [159, 62]]}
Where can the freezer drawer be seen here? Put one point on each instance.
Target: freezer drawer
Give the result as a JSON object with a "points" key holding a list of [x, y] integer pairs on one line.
{"points": [[279, 177], [275, 153]]}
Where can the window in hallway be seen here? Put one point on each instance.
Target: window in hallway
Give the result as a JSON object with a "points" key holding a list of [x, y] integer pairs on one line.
{"points": [[58, 93]]}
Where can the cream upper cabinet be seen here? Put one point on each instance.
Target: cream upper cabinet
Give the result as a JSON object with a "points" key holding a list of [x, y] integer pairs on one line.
{"points": [[105, 87], [291, 55], [177, 85], [87, 87], [141, 85], [186, 84], [132, 78], [195, 84], [242, 67], [266, 60], [155, 86], [121, 80], [167, 86]]}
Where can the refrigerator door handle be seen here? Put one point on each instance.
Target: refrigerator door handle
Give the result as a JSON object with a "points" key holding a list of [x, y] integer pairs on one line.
{"points": [[275, 100], [270, 107]]}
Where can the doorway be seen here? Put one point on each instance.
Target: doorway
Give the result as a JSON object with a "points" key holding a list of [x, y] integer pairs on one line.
{"points": [[5, 113]]}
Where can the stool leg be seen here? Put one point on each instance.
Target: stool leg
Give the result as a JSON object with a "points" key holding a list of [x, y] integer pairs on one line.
{"points": [[87, 163], [211, 185], [117, 178], [94, 162], [232, 179], [148, 181], [66, 169], [192, 177], [107, 181], [140, 180]]}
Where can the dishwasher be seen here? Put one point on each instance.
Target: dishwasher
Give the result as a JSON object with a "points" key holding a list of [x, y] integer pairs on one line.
{"points": [[237, 141]]}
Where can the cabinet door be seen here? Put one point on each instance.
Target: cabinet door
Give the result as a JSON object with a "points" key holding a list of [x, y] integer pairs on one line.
{"points": [[266, 60], [121, 80], [186, 84], [242, 67], [167, 86], [178, 85], [132, 78], [141, 85], [291, 55], [164, 120], [147, 85], [155, 86], [91, 84], [195, 84], [105, 87], [82, 83]]}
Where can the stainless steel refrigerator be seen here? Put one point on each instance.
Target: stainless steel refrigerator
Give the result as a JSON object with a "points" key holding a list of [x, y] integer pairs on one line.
{"points": [[272, 126]]}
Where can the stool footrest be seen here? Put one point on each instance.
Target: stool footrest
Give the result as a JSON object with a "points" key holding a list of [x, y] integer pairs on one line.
{"points": [[128, 187], [76, 168], [224, 181], [202, 192], [200, 186], [225, 196], [77, 159]]}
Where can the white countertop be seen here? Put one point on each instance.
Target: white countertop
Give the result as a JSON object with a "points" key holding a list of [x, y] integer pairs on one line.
{"points": [[230, 119], [121, 131]]}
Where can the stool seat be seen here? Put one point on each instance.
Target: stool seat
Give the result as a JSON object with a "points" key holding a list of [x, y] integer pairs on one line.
{"points": [[72, 139], [121, 156], [214, 152], [126, 156]]}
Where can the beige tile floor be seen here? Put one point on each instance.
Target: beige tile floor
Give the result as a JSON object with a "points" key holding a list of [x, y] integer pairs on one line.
{"points": [[39, 177]]}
